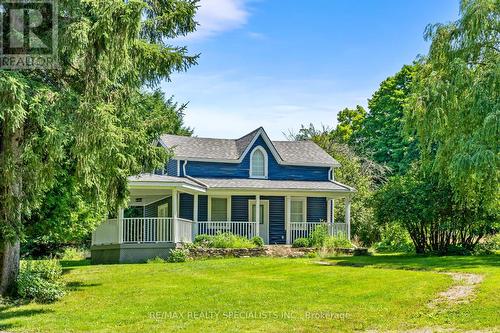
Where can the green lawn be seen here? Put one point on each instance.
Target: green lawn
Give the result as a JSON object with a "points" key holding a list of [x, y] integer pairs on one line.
{"points": [[264, 295]]}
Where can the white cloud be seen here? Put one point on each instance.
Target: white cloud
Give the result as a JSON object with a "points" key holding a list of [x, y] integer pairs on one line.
{"points": [[217, 16]]}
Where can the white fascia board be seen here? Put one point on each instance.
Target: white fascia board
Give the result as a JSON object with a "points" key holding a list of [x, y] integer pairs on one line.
{"points": [[157, 184]]}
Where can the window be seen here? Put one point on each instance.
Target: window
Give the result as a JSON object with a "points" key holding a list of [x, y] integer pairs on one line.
{"points": [[258, 163], [219, 209], [298, 210]]}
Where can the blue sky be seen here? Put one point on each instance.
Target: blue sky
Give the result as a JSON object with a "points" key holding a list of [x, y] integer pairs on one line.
{"points": [[283, 63]]}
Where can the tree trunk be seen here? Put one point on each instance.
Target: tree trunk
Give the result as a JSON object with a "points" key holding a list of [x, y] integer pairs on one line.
{"points": [[10, 205], [9, 259]]}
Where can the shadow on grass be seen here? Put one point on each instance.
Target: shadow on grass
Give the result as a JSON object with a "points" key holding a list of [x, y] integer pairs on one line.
{"points": [[415, 262], [10, 312], [69, 265], [77, 285]]}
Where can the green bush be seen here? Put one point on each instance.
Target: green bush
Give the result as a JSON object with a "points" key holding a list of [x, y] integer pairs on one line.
{"points": [[156, 260], [202, 239], [177, 255], [73, 253], [395, 238], [258, 241], [300, 242], [318, 236], [225, 240], [40, 280], [334, 242]]}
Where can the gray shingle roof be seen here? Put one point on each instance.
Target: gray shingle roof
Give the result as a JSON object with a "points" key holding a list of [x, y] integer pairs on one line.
{"points": [[290, 152], [303, 152], [243, 183]]}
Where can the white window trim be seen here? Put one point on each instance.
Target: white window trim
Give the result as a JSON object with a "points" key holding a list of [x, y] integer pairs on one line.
{"points": [[304, 207], [266, 159], [228, 197]]}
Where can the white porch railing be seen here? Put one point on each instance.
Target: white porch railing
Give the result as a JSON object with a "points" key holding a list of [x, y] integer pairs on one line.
{"points": [[303, 229], [184, 230], [143, 230], [245, 229], [147, 229], [167, 229]]}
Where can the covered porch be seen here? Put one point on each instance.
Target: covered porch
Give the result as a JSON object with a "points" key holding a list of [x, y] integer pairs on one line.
{"points": [[164, 211]]}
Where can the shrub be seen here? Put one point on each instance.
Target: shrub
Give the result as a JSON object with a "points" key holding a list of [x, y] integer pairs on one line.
{"points": [[73, 253], [177, 255], [318, 236], [395, 238], [334, 242], [202, 239], [226, 240], [258, 241], [156, 260], [40, 280], [300, 242]]}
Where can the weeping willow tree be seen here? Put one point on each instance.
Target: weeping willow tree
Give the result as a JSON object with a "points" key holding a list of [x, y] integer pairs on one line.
{"points": [[83, 112], [455, 105]]}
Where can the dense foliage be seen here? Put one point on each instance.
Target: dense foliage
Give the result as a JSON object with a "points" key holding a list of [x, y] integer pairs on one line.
{"points": [[40, 280], [357, 171], [381, 134], [82, 117], [227, 240], [65, 216], [455, 104], [424, 205]]}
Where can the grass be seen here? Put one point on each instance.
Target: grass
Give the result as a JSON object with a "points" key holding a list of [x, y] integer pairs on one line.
{"points": [[264, 295]]}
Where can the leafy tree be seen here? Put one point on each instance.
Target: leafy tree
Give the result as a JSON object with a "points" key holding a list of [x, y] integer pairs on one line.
{"points": [[356, 171], [349, 122], [382, 134], [65, 216], [423, 204], [83, 113], [455, 106]]}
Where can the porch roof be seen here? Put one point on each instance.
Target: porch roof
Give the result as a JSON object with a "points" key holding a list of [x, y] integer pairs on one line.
{"points": [[266, 184], [152, 180]]}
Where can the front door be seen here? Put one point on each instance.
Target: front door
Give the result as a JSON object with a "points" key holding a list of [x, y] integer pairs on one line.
{"points": [[264, 218]]}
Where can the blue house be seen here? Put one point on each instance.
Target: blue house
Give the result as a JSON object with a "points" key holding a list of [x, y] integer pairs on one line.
{"points": [[278, 190]]}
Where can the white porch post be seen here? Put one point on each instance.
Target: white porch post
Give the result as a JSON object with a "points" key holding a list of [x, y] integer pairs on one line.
{"points": [[333, 211], [329, 215], [257, 214], [120, 225], [288, 210], [195, 215], [174, 214], [348, 216]]}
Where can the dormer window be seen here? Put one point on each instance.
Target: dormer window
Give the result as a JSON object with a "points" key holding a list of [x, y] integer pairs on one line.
{"points": [[258, 163]]}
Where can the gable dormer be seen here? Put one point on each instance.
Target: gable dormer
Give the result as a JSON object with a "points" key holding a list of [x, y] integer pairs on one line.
{"points": [[252, 156]]}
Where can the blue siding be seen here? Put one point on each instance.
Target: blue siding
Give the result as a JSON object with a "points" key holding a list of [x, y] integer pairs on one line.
{"points": [[151, 210], [202, 208], [277, 233], [316, 209], [171, 168], [239, 212], [186, 202], [239, 207], [241, 170]]}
